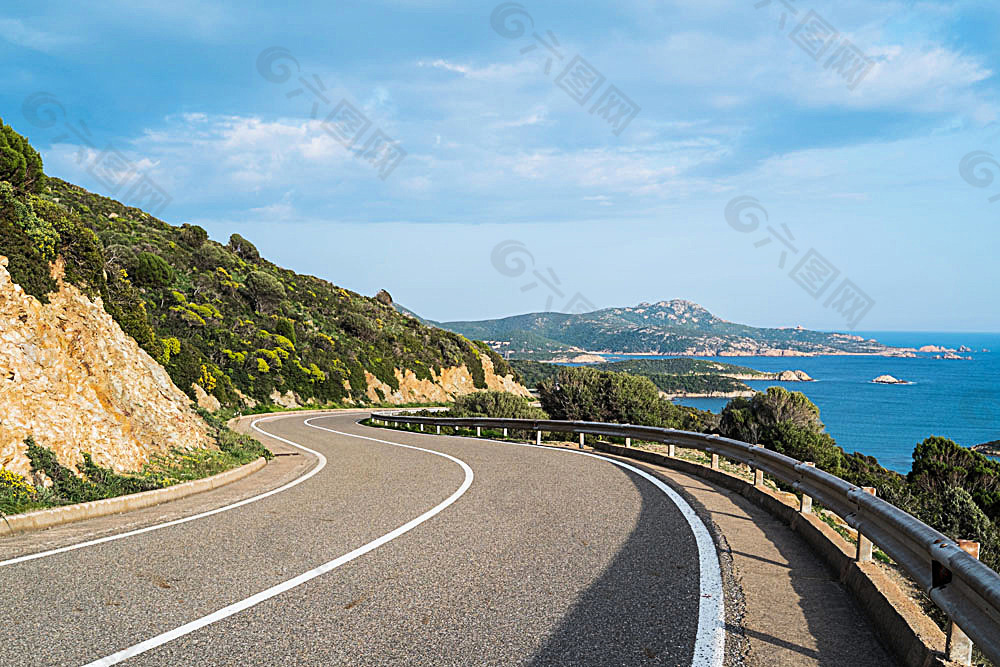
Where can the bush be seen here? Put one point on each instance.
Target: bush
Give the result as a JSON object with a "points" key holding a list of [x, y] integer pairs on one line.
{"points": [[193, 236], [20, 164], [587, 394], [498, 404], [783, 421], [266, 290], [17, 495], [243, 248], [151, 270]]}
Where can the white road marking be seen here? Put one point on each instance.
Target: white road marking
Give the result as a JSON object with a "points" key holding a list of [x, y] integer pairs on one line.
{"points": [[242, 605], [175, 522], [710, 641]]}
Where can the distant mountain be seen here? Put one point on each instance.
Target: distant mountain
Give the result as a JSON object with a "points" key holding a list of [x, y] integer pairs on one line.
{"points": [[675, 327]]}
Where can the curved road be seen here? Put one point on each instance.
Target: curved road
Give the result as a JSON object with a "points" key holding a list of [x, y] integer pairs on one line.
{"points": [[443, 551]]}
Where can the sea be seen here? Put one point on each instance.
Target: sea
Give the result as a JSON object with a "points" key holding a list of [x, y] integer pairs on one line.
{"points": [[956, 399]]}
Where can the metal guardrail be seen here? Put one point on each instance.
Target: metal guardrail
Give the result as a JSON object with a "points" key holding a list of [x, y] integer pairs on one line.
{"points": [[961, 586]]}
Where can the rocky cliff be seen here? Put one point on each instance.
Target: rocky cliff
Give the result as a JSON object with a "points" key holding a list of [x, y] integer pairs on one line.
{"points": [[72, 379], [451, 382]]}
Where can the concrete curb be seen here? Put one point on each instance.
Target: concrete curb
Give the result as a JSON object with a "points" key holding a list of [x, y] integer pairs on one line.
{"points": [[56, 516], [901, 625]]}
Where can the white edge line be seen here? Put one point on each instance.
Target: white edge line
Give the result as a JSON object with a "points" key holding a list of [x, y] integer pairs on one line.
{"points": [[710, 641], [242, 605], [175, 522]]}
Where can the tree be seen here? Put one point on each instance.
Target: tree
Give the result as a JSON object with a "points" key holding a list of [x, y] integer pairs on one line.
{"points": [[953, 511], [587, 394], [498, 404], [939, 463], [777, 405], [784, 421], [266, 290], [193, 236], [20, 164], [243, 248], [151, 270], [286, 328]]}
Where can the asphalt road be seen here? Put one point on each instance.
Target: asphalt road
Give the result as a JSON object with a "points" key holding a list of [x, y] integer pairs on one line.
{"points": [[470, 553]]}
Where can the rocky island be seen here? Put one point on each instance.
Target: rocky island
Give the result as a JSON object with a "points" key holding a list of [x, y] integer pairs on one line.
{"points": [[888, 379]]}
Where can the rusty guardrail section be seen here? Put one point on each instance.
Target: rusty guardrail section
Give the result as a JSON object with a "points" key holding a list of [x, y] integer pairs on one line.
{"points": [[961, 586]]}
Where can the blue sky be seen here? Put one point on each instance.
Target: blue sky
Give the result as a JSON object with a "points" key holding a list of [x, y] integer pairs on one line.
{"points": [[732, 103]]}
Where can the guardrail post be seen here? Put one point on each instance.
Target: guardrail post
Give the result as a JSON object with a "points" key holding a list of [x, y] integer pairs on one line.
{"points": [[758, 478], [581, 441], [959, 646], [538, 437], [439, 429], [864, 544], [807, 501], [628, 442], [505, 432], [715, 461], [479, 432], [670, 450], [421, 428]]}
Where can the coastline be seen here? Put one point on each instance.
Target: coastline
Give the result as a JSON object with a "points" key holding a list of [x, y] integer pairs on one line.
{"points": [[898, 353], [714, 394]]}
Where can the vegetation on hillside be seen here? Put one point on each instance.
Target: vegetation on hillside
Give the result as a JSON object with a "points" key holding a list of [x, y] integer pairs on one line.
{"points": [[669, 327], [498, 404], [949, 487], [94, 482], [587, 394], [217, 315], [671, 376]]}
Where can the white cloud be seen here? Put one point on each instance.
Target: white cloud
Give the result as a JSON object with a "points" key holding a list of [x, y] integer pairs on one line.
{"points": [[19, 34]]}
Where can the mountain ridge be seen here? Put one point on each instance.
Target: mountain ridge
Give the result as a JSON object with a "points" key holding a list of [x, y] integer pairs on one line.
{"points": [[673, 326]]}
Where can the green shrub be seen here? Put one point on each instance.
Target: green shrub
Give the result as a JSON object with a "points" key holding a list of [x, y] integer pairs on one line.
{"points": [[586, 394], [152, 270], [20, 164], [498, 404]]}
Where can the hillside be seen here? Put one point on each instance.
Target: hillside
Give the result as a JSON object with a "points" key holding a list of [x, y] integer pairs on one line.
{"points": [[232, 329], [667, 327]]}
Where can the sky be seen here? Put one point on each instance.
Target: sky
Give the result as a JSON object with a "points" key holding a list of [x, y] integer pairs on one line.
{"points": [[814, 163]]}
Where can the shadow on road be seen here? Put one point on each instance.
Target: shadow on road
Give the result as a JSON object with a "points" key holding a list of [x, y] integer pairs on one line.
{"points": [[644, 606]]}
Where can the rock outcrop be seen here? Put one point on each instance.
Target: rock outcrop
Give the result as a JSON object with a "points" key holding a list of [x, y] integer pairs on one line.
{"points": [[72, 379], [451, 382], [888, 379], [793, 376]]}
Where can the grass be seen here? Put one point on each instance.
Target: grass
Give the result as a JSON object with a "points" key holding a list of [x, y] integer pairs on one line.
{"points": [[18, 495]]}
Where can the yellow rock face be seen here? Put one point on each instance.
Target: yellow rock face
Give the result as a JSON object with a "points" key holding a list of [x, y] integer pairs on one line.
{"points": [[452, 382], [72, 379]]}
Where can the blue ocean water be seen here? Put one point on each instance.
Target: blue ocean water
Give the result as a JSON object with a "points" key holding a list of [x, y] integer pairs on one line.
{"points": [[957, 399]]}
